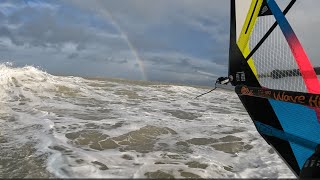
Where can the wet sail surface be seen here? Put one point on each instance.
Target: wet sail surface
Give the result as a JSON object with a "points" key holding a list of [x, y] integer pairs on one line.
{"points": [[54, 126]]}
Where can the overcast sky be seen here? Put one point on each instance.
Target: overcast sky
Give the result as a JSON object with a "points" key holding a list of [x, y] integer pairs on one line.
{"points": [[163, 40]]}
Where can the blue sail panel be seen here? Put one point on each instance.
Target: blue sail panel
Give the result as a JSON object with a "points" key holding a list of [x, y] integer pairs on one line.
{"points": [[300, 121]]}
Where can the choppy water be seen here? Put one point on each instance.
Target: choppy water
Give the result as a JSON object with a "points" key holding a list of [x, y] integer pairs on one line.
{"points": [[53, 126]]}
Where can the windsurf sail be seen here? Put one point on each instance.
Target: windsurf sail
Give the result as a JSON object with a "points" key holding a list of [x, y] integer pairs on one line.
{"points": [[274, 78]]}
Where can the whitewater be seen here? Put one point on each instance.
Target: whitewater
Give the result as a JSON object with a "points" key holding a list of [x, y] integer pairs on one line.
{"points": [[65, 126]]}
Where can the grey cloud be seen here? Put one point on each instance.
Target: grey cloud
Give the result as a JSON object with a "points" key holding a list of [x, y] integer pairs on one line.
{"points": [[176, 64], [178, 77], [185, 62], [92, 45], [109, 60], [5, 32], [47, 30], [157, 60], [81, 47], [123, 61], [116, 61], [138, 17], [17, 16], [73, 56], [2, 16], [153, 12]]}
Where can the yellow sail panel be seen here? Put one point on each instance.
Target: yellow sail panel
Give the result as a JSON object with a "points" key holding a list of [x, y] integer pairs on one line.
{"points": [[247, 28], [250, 61], [242, 9]]}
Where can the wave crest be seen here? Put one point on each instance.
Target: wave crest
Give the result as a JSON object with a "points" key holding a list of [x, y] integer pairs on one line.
{"points": [[29, 83]]}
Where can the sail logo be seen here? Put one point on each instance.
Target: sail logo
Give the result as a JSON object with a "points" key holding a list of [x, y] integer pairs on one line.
{"points": [[246, 91], [240, 76], [314, 101], [312, 163], [264, 93], [287, 98], [264, 10]]}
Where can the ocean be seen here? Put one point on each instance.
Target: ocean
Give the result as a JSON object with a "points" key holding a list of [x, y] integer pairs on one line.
{"points": [[73, 127]]}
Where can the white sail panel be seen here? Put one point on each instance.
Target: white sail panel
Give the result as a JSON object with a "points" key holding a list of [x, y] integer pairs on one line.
{"points": [[274, 62], [242, 9]]}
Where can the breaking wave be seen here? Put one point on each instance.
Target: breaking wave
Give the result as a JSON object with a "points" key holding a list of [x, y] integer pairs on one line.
{"points": [[30, 82], [58, 126]]}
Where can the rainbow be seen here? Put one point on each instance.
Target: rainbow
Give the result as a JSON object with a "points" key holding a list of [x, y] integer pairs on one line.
{"points": [[130, 45]]}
